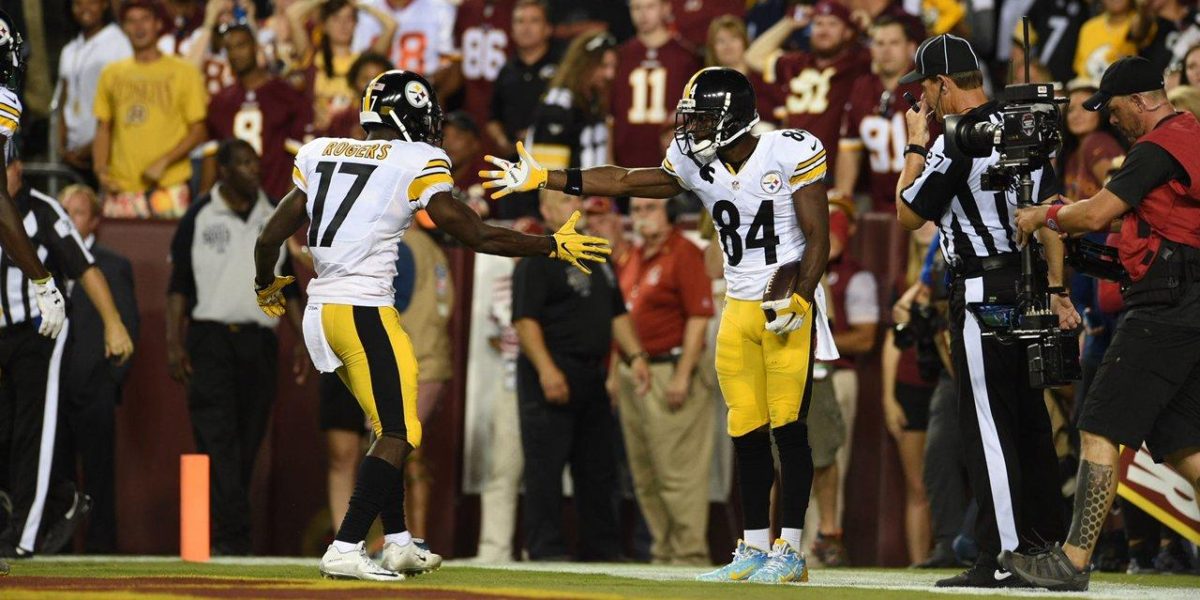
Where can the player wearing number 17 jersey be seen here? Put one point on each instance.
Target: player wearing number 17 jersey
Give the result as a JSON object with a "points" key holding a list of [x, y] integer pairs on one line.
{"points": [[359, 198], [767, 198]]}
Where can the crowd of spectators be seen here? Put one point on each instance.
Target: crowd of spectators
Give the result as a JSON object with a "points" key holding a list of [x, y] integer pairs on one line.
{"points": [[193, 109]]}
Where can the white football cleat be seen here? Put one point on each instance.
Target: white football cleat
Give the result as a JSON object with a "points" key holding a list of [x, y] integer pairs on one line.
{"points": [[413, 558], [354, 564]]}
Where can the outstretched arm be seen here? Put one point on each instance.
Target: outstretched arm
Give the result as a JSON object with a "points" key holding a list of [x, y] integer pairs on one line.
{"points": [[13, 236], [527, 174], [287, 218], [464, 224]]}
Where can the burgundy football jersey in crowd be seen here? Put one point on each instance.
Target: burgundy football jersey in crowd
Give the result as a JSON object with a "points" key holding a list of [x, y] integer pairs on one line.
{"points": [[692, 17], [481, 32], [875, 123], [272, 118], [647, 86], [768, 98], [817, 91]]}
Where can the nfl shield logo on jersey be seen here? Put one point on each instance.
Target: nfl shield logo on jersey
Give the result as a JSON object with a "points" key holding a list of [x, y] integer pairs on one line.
{"points": [[772, 181]]}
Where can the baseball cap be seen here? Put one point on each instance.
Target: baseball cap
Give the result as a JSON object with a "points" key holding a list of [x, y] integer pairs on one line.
{"points": [[1128, 75], [834, 9], [942, 55]]}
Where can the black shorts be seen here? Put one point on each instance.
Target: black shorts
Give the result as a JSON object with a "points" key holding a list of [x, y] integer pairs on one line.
{"points": [[338, 409], [914, 400], [1147, 388]]}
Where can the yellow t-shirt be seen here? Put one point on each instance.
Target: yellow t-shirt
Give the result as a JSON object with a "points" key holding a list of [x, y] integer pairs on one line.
{"points": [[1100, 44], [150, 106], [332, 94]]}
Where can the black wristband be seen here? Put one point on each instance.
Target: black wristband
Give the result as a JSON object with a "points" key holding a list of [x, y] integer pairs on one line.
{"points": [[1058, 290], [574, 182], [916, 149]]}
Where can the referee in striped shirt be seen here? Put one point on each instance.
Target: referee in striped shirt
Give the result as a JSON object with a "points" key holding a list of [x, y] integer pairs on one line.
{"points": [[32, 364], [1006, 433]]}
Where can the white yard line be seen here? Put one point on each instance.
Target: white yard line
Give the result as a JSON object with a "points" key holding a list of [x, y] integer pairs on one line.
{"points": [[898, 580]]}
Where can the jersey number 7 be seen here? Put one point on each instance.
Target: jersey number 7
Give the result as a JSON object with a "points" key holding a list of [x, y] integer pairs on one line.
{"points": [[361, 173]]}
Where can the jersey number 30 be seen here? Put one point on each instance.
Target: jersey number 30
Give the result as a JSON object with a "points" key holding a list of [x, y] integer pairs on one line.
{"points": [[361, 173], [761, 233]]}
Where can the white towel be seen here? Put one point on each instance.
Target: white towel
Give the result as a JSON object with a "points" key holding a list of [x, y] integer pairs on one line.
{"points": [[826, 349], [323, 357]]}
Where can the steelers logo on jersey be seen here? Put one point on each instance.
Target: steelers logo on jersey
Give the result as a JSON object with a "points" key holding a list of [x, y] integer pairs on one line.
{"points": [[771, 182], [417, 94]]}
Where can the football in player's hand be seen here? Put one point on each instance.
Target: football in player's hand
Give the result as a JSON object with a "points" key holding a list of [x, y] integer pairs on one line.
{"points": [[781, 285]]}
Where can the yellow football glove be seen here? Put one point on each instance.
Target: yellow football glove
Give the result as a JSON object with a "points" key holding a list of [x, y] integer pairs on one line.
{"points": [[524, 175], [786, 315], [270, 298], [573, 247]]}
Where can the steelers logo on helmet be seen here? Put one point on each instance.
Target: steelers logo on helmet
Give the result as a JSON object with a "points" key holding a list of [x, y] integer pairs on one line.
{"points": [[417, 94]]}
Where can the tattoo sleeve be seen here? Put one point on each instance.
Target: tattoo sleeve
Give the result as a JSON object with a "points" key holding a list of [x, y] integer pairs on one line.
{"points": [[1093, 499]]}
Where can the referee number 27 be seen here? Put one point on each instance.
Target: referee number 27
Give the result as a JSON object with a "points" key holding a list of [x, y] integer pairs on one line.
{"points": [[361, 173], [760, 235]]}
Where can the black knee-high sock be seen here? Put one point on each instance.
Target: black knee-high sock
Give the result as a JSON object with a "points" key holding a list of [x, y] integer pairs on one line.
{"points": [[373, 488], [756, 473], [795, 473], [392, 513]]}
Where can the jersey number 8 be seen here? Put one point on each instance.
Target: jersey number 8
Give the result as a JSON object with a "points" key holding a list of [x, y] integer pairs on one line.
{"points": [[761, 233]]}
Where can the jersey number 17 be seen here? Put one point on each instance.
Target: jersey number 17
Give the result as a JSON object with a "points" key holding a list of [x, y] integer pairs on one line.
{"points": [[326, 169]]}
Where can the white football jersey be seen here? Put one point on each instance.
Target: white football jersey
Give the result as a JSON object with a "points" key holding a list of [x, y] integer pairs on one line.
{"points": [[362, 196], [752, 209], [424, 34], [10, 116]]}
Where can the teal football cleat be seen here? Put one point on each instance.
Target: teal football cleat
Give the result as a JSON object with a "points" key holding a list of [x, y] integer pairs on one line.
{"points": [[746, 560], [784, 565]]}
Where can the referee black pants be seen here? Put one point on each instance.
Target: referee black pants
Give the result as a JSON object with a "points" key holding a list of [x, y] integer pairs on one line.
{"points": [[1006, 435], [230, 395], [30, 385], [582, 433]]}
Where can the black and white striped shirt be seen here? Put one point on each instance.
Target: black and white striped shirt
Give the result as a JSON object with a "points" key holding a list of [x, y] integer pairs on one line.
{"points": [[974, 223], [58, 246]]}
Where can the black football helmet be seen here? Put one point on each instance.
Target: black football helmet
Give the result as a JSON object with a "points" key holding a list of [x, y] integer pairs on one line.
{"points": [[404, 101], [12, 58], [717, 107]]}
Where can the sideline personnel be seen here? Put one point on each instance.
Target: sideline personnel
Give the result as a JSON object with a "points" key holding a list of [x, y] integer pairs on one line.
{"points": [[1007, 441], [1148, 386]]}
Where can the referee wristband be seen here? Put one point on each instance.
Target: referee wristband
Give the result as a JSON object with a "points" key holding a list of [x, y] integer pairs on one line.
{"points": [[916, 149], [1052, 216], [574, 184]]}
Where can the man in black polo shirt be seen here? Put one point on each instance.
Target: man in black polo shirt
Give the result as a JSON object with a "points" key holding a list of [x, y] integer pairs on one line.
{"points": [[518, 87], [219, 344], [566, 321]]}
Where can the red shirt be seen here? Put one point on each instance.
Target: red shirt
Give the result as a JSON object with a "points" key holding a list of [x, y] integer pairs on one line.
{"points": [[272, 118], [692, 17], [908, 370], [664, 290], [481, 32], [878, 127], [645, 90], [767, 97], [817, 91], [1079, 180]]}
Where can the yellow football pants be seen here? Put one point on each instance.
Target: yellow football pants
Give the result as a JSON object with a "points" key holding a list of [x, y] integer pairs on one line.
{"points": [[378, 365], [765, 378]]}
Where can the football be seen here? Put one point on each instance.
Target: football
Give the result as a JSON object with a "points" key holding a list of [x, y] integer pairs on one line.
{"points": [[781, 284]]}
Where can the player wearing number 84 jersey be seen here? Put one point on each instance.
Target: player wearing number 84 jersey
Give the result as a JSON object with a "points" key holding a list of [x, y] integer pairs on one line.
{"points": [[359, 198], [767, 198]]}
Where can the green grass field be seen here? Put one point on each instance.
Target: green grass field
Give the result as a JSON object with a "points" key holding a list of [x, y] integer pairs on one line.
{"points": [[139, 577]]}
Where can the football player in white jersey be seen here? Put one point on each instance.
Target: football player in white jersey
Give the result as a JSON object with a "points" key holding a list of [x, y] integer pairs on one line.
{"points": [[359, 198], [767, 199], [13, 237]]}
